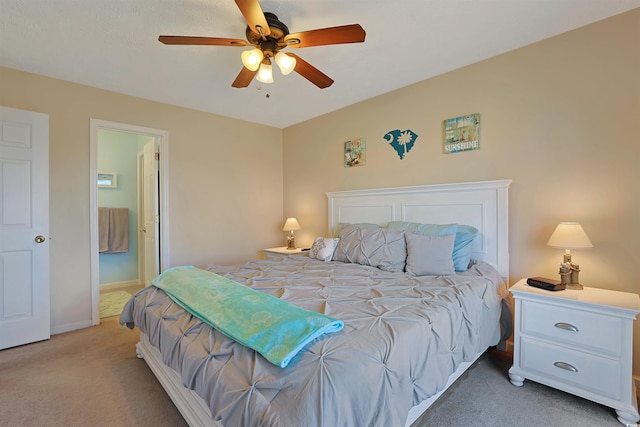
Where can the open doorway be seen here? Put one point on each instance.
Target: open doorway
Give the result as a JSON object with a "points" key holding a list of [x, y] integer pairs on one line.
{"points": [[147, 150]]}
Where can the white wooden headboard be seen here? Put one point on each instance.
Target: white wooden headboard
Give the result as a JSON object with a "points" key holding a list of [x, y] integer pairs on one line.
{"points": [[483, 204]]}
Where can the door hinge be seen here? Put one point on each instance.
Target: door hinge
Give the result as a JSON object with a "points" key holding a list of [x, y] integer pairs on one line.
{"points": [[157, 156]]}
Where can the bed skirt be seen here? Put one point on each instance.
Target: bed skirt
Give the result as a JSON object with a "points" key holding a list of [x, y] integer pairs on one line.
{"points": [[193, 409]]}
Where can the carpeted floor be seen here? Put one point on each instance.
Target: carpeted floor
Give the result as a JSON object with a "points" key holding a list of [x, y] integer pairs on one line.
{"points": [[85, 378], [111, 303], [92, 377], [484, 397]]}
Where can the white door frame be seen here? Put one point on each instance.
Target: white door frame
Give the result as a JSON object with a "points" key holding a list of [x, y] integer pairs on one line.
{"points": [[162, 137], [148, 246], [139, 195]]}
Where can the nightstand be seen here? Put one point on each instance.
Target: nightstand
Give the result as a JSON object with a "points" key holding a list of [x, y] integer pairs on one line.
{"points": [[278, 253], [580, 342]]}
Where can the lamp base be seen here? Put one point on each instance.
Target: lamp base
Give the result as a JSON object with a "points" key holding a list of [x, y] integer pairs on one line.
{"points": [[569, 274], [291, 242]]}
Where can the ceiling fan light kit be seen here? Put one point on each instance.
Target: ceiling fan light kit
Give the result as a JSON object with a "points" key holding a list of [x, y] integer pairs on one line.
{"points": [[252, 58], [285, 62], [269, 36], [265, 74]]}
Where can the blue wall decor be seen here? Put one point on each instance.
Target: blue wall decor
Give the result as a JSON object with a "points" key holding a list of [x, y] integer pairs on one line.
{"points": [[401, 140]]}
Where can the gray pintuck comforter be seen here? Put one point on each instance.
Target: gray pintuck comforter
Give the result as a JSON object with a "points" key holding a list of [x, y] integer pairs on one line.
{"points": [[403, 337]]}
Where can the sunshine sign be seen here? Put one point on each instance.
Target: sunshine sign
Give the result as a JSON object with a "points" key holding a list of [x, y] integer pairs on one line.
{"points": [[461, 133]]}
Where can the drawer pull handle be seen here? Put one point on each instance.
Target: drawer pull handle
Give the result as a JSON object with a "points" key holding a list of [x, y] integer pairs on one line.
{"points": [[566, 326], [566, 366]]}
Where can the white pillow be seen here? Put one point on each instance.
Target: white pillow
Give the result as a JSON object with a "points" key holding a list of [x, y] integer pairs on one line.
{"points": [[323, 248], [429, 255]]}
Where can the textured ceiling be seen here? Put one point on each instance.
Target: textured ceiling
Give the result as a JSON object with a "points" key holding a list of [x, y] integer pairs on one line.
{"points": [[114, 45]]}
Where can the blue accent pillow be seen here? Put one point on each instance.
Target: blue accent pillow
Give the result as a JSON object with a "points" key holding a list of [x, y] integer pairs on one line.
{"points": [[462, 246], [424, 229], [465, 234]]}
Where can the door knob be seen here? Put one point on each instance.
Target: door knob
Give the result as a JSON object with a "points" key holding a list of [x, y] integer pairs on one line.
{"points": [[39, 238]]}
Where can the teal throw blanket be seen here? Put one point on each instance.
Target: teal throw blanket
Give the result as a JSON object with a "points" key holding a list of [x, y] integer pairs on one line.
{"points": [[274, 328]]}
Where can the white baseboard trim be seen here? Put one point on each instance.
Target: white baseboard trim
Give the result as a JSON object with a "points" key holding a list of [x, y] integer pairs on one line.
{"points": [[67, 327], [118, 285]]}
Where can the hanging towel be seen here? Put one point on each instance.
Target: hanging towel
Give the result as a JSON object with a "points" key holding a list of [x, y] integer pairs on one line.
{"points": [[103, 230], [118, 230]]}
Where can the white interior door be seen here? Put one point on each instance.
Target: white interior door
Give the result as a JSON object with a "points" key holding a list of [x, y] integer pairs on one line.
{"points": [[24, 227], [151, 212]]}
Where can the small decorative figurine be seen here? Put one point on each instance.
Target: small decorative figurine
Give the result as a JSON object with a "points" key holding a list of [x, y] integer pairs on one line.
{"points": [[569, 275], [575, 270], [565, 273]]}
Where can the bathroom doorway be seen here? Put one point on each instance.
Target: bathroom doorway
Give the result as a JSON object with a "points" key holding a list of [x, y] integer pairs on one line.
{"points": [[129, 183]]}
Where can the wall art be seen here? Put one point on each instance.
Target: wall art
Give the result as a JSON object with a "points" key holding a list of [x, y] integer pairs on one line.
{"points": [[461, 133], [401, 140], [355, 153], [107, 179]]}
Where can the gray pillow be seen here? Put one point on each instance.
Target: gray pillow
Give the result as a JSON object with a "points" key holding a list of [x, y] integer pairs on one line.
{"points": [[429, 255], [462, 245], [377, 247], [338, 228]]}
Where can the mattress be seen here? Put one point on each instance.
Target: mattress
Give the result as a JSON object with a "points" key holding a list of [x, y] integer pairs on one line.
{"points": [[402, 338]]}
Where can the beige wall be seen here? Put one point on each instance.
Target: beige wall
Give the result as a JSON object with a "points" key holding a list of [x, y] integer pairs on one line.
{"points": [[225, 182], [558, 117]]}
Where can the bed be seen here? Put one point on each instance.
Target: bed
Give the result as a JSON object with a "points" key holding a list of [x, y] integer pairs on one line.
{"points": [[406, 336]]}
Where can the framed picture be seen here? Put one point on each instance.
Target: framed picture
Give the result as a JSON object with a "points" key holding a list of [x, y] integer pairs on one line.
{"points": [[107, 179], [461, 133], [355, 153]]}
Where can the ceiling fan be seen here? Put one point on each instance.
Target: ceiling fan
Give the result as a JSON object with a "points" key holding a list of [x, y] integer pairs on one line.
{"points": [[269, 37]]}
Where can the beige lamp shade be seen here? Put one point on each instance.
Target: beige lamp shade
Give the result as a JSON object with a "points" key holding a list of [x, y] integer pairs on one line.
{"points": [[569, 235], [291, 225]]}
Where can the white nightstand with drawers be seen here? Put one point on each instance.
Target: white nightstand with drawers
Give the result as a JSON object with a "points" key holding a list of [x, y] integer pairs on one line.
{"points": [[580, 342], [278, 253]]}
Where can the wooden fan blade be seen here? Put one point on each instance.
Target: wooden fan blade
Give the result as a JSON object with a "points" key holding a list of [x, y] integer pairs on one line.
{"points": [[211, 41], [244, 78], [311, 73], [254, 16], [335, 35]]}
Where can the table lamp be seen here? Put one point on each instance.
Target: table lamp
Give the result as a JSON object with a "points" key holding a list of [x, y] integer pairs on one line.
{"points": [[567, 236], [291, 224]]}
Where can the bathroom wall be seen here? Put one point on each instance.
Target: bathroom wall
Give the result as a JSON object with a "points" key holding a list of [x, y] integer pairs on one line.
{"points": [[117, 152]]}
